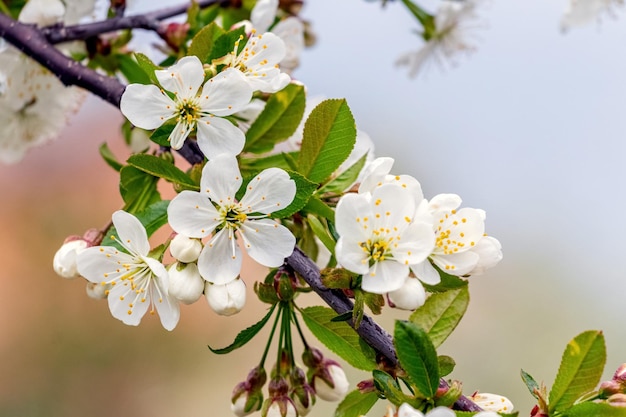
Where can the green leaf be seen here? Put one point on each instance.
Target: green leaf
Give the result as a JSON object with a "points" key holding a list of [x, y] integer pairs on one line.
{"points": [[147, 66], [278, 120], [530, 382], [448, 282], [580, 370], [321, 232], [329, 136], [161, 136], [345, 179], [132, 71], [471, 413], [304, 190], [417, 355], [138, 189], [225, 43], [245, 335], [318, 207], [356, 404], [389, 387], [109, 158], [250, 166], [154, 216], [339, 337], [202, 42], [161, 168], [446, 365], [441, 313], [595, 410]]}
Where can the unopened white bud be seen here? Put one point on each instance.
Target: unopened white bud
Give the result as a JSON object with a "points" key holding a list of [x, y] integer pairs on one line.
{"points": [[239, 406], [226, 299], [185, 249], [139, 140], [336, 393], [42, 12], [493, 402], [185, 282], [274, 410], [408, 297], [64, 262], [97, 291]]}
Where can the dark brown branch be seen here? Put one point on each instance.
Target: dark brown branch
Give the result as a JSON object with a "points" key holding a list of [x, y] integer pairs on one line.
{"points": [[369, 330], [150, 21]]}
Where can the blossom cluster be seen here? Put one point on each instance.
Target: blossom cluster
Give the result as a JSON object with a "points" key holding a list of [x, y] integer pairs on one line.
{"points": [[396, 239]]}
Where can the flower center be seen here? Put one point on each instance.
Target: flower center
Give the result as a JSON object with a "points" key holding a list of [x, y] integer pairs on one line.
{"points": [[377, 250], [232, 217], [188, 111]]}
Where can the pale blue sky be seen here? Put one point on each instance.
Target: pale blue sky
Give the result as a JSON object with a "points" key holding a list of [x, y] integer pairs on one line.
{"points": [[531, 128]]}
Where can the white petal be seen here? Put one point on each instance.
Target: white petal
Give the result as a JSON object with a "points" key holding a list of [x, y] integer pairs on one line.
{"points": [[385, 276], [351, 256], [217, 136], [183, 78], [120, 299], [263, 14], [374, 174], [489, 250], [393, 207], [192, 214], [226, 299], [166, 305], [180, 133], [102, 264], [226, 93], [458, 264], [270, 191], [441, 412], [353, 216], [416, 244], [130, 233], [42, 12], [221, 179], [405, 410], [220, 260], [426, 273], [267, 242], [410, 296], [146, 106], [445, 202]]}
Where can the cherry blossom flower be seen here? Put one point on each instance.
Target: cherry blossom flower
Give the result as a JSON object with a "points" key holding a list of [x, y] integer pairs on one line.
{"points": [[34, 105], [289, 29], [137, 281], [378, 237], [458, 248], [258, 61], [583, 12], [492, 402], [453, 26], [215, 212], [196, 104]]}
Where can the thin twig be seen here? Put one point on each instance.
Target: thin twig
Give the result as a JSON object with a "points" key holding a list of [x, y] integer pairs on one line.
{"points": [[150, 21]]}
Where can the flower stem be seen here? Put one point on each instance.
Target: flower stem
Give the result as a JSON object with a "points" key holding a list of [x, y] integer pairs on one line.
{"points": [[269, 342]]}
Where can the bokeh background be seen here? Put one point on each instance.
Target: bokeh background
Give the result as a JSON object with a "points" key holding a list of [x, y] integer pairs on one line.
{"points": [[530, 128]]}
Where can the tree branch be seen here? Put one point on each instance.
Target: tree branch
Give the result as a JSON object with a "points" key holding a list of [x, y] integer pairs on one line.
{"points": [[369, 330], [150, 21]]}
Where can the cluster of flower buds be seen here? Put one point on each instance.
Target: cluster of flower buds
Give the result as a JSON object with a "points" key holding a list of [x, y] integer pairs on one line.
{"points": [[614, 390]]}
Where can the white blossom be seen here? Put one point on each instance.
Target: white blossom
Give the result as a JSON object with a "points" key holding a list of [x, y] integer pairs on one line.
{"points": [[340, 382], [64, 262], [583, 12], [196, 105], [226, 299], [49, 12], [454, 23], [492, 402], [34, 105], [289, 29], [408, 297], [258, 61], [137, 281], [215, 212], [185, 249], [378, 237], [185, 282]]}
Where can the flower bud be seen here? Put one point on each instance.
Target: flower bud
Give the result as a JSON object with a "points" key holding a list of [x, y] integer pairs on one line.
{"points": [[333, 386], [185, 282], [620, 374], [247, 395], [185, 249], [64, 262], [492, 402], [97, 291], [175, 34], [617, 400], [408, 297], [608, 388], [139, 140], [302, 394], [279, 404], [226, 299]]}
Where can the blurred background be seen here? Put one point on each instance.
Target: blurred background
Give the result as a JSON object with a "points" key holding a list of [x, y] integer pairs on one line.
{"points": [[530, 128]]}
